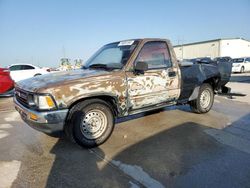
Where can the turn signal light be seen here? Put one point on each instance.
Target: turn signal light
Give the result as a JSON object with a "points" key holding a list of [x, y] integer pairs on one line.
{"points": [[49, 101], [33, 116]]}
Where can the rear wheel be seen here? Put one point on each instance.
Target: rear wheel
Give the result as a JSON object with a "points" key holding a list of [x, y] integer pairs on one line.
{"points": [[92, 122], [242, 69], [204, 101]]}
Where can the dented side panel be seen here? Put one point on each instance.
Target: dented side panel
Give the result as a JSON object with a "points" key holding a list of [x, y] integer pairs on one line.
{"points": [[152, 87]]}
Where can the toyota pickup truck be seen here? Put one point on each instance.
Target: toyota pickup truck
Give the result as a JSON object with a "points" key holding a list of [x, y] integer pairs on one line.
{"points": [[120, 79]]}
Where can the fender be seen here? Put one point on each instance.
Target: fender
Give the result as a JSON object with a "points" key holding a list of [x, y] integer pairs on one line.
{"points": [[195, 93], [102, 95]]}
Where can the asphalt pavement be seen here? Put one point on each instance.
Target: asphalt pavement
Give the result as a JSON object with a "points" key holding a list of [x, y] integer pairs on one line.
{"points": [[171, 147]]}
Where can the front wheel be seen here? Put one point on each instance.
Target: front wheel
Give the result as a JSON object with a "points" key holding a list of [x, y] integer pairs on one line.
{"points": [[92, 122], [204, 101]]}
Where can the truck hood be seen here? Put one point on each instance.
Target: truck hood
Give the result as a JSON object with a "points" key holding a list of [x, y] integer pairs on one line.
{"points": [[49, 80]]}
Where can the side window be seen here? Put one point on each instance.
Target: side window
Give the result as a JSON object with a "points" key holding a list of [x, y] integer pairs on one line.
{"points": [[27, 67], [248, 60], [155, 54], [15, 67]]}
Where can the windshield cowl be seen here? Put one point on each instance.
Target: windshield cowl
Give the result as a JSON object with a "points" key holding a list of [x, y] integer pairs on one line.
{"points": [[104, 66]]}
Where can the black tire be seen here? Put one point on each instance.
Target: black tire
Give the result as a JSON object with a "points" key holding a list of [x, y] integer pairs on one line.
{"points": [[37, 75], [97, 111], [242, 69], [198, 105]]}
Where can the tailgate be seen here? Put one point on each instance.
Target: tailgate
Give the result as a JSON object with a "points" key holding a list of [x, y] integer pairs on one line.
{"points": [[225, 69]]}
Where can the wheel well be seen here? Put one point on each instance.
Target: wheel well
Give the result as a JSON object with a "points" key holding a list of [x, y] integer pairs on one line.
{"points": [[112, 102], [213, 82]]}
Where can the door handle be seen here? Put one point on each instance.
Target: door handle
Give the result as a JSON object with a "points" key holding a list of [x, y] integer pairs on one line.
{"points": [[172, 74]]}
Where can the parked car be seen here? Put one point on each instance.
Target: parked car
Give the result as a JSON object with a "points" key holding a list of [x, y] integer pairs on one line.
{"points": [[206, 60], [121, 79], [23, 71], [6, 83], [223, 59], [48, 69], [241, 64]]}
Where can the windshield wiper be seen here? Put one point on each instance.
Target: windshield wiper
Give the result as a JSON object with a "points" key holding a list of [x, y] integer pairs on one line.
{"points": [[110, 66], [101, 66]]}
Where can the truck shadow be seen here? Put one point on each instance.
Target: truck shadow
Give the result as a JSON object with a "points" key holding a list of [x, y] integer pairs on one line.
{"points": [[161, 158], [182, 156]]}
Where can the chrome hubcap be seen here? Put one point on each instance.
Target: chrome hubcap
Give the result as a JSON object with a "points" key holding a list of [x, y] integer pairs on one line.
{"points": [[205, 99], [94, 124]]}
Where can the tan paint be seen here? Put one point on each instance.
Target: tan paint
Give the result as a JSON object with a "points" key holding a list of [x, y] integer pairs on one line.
{"points": [[113, 85], [151, 88]]}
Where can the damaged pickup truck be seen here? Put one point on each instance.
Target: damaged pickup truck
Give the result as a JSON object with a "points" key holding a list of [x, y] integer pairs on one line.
{"points": [[121, 79]]}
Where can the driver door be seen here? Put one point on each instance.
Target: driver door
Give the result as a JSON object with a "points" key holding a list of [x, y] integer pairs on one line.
{"points": [[151, 87]]}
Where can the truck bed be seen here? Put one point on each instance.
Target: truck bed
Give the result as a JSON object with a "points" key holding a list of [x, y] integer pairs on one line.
{"points": [[194, 74]]}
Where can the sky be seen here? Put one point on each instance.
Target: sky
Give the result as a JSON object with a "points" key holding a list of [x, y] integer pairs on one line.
{"points": [[42, 32]]}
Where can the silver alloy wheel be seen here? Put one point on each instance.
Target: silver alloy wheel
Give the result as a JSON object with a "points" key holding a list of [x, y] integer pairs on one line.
{"points": [[94, 124], [205, 98]]}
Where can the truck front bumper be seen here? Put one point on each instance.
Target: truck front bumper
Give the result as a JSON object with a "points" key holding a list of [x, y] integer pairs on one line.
{"points": [[48, 122]]}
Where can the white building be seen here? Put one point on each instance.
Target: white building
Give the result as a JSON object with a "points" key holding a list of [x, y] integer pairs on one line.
{"points": [[233, 47]]}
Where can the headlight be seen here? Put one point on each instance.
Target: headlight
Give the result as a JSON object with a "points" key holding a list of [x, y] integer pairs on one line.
{"points": [[42, 102], [236, 65]]}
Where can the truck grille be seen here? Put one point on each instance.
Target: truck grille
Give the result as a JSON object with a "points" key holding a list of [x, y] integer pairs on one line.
{"points": [[21, 97]]}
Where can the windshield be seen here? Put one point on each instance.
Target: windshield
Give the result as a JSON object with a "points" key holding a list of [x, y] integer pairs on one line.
{"points": [[238, 60], [112, 56]]}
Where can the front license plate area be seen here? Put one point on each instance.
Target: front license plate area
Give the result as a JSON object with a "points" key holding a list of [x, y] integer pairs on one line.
{"points": [[22, 113]]}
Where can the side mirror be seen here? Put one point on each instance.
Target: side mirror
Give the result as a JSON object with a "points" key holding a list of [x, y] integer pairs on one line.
{"points": [[141, 67]]}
